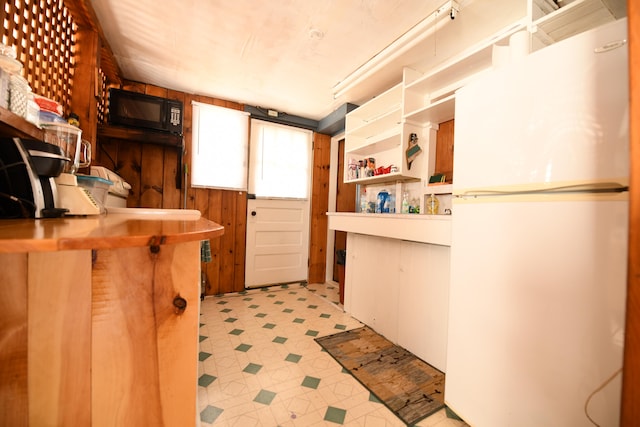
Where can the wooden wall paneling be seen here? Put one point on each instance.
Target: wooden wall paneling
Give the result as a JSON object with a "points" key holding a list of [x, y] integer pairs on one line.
{"points": [[14, 408], [214, 213], [630, 413], [345, 202], [134, 86], [188, 132], [201, 203], [130, 159], [240, 240], [172, 167], [83, 100], [152, 176], [227, 240], [107, 155], [156, 91], [319, 207], [444, 149]]}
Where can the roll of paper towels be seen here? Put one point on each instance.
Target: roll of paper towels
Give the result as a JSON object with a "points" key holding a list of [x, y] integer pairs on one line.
{"points": [[500, 55], [519, 45]]}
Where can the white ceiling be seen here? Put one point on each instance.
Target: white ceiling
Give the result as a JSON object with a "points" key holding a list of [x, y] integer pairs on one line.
{"points": [[285, 55]]}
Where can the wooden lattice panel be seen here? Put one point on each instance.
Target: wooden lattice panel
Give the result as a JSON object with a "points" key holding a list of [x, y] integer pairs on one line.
{"points": [[102, 99], [43, 34]]}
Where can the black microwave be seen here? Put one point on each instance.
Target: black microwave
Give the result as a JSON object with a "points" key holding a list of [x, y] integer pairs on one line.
{"points": [[145, 111]]}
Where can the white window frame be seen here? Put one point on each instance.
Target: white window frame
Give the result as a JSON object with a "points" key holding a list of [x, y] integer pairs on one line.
{"points": [[212, 166]]}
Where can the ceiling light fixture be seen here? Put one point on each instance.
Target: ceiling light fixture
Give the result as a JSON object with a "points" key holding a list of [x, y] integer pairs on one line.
{"points": [[408, 40]]}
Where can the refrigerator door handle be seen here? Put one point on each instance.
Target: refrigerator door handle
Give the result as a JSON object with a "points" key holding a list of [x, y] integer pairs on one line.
{"points": [[610, 46], [603, 187]]}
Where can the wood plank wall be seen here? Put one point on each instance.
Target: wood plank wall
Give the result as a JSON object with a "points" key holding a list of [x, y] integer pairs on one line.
{"points": [[319, 208], [152, 172], [444, 149]]}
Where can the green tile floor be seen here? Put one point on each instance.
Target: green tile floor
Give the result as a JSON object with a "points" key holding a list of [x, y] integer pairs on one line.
{"points": [[260, 366]]}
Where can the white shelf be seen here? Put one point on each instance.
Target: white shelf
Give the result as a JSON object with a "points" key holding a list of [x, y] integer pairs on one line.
{"points": [[386, 140], [376, 109], [430, 97], [574, 18], [371, 127], [462, 66], [438, 189], [438, 112], [387, 177]]}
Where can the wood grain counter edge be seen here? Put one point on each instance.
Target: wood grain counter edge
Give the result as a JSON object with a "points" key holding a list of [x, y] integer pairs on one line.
{"points": [[100, 232]]}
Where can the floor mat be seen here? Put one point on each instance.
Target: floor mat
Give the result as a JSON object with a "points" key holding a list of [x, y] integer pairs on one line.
{"points": [[407, 385]]}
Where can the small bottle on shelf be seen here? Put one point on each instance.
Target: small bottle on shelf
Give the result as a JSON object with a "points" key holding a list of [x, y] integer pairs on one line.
{"points": [[405, 203], [382, 203], [391, 200], [432, 205], [363, 201]]}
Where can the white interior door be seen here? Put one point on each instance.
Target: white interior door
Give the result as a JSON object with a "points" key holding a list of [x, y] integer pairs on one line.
{"points": [[277, 246]]}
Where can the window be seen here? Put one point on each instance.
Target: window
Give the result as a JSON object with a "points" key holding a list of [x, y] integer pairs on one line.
{"points": [[280, 161], [219, 148]]}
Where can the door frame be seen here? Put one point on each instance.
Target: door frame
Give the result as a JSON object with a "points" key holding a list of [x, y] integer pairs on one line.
{"points": [[308, 200], [333, 186]]}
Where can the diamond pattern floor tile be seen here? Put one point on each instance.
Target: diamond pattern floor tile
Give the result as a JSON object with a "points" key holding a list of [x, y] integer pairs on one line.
{"points": [[265, 397], [272, 373]]}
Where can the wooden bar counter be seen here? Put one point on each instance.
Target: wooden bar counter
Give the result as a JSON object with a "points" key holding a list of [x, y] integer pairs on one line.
{"points": [[99, 320]]}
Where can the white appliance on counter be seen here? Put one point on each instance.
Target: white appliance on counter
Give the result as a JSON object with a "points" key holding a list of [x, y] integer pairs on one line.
{"points": [[119, 189], [539, 237]]}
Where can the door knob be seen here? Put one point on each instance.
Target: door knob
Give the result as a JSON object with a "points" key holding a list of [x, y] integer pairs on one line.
{"points": [[253, 213]]}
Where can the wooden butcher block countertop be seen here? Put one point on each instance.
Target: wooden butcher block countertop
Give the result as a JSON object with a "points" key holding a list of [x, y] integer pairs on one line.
{"points": [[99, 320], [100, 232]]}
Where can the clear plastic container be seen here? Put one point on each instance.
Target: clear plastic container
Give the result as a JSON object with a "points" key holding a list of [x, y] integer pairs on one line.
{"points": [[19, 91], [98, 187], [8, 61]]}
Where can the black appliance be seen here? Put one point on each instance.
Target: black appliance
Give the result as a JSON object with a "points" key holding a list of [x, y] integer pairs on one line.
{"points": [[27, 171], [145, 111]]}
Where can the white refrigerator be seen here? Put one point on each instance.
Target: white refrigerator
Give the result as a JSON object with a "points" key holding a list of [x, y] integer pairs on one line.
{"points": [[539, 237]]}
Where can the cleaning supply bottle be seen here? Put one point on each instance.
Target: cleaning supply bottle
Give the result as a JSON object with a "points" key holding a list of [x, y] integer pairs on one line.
{"points": [[405, 203], [363, 201], [391, 201], [382, 201], [432, 205]]}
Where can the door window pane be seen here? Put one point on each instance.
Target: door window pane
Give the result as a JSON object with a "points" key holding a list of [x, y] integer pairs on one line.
{"points": [[280, 161]]}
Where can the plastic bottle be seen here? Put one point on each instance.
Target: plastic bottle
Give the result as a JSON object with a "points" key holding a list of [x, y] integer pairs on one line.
{"points": [[382, 201], [432, 205], [392, 203], [363, 201], [405, 203]]}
